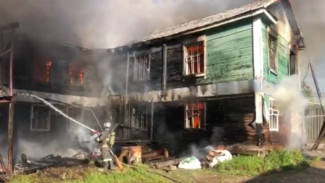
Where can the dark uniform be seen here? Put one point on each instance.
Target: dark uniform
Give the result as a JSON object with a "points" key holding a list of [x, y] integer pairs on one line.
{"points": [[107, 140]]}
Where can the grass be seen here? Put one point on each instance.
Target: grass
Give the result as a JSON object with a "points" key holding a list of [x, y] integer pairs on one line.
{"points": [[240, 166], [89, 175], [255, 165]]}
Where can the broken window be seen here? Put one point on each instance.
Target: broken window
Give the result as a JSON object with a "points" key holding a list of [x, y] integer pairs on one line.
{"points": [[194, 58], [141, 68], [273, 53], [139, 120], [76, 74], [42, 70], [40, 118], [195, 115], [274, 116]]}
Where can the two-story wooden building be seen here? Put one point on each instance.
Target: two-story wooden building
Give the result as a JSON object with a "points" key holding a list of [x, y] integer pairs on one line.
{"points": [[62, 74], [207, 80]]}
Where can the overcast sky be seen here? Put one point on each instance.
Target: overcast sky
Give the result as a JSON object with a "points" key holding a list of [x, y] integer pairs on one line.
{"points": [[107, 23]]}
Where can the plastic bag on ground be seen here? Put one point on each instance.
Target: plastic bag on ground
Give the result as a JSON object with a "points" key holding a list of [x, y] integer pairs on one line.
{"points": [[190, 163]]}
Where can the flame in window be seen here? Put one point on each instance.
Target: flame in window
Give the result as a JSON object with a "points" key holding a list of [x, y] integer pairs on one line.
{"points": [[42, 70], [76, 74]]}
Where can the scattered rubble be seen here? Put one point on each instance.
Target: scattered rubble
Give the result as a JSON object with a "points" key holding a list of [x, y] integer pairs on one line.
{"points": [[28, 166], [214, 157]]}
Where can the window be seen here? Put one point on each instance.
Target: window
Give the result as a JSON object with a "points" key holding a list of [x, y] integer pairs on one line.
{"points": [[141, 68], [75, 113], [76, 74], [274, 116], [194, 58], [293, 64], [40, 118], [195, 115], [139, 120], [273, 53], [42, 70]]}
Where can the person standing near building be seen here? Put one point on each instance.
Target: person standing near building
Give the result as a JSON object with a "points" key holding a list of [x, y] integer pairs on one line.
{"points": [[106, 140]]}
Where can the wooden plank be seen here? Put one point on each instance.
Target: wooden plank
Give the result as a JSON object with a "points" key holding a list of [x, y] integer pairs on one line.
{"points": [[10, 138], [216, 34]]}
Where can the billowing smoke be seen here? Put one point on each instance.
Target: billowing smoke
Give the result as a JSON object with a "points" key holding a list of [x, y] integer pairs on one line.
{"points": [[78, 140], [105, 23], [291, 104]]}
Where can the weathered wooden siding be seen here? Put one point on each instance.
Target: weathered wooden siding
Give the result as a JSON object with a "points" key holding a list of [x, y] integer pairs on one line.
{"points": [[284, 34], [229, 54], [283, 57], [236, 119]]}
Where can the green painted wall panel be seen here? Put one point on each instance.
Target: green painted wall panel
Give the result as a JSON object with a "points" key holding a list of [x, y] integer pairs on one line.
{"points": [[229, 54], [283, 58]]}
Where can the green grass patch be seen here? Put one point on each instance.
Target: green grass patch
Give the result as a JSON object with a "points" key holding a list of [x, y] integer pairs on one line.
{"points": [[254, 165], [89, 175]]}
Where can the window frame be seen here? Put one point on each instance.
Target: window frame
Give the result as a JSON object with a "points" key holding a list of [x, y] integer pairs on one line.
{"points": [[48, 119], [189, 125], [191, 42], [140, 120], [78, 66], [272, 34], [292, 58], [41, 64], [145, 67], [79, 118], [274, 114]]}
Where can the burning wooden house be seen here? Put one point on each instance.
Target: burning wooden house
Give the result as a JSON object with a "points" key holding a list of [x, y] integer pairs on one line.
{"points": [[207, 79], [62, 74]]}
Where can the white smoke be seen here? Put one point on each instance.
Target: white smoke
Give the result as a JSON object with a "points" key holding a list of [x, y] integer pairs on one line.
{"points": [[105, 23], [291, 103]]}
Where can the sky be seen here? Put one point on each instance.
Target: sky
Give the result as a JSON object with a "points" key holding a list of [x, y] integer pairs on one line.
{"points": [[107, 23]]}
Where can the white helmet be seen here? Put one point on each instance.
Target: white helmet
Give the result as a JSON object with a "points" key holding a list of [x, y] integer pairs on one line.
{"points": [[107, 125]]}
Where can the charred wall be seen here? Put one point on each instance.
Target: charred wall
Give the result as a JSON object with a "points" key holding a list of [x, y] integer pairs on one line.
{"points": [[227, 122], [55, 68], [62, 137]]}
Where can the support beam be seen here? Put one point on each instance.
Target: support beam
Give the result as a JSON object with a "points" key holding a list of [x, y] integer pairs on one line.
{"points": [[164, 74], [11, 62], [151, 121], [258, 49], [10, 137], [259, 108]]}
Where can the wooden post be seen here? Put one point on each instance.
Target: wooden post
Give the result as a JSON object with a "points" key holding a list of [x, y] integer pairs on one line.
{"points": [[10, 137], [164, 74], [11, 108], [11, 64], [151, 120], [125, 119]]}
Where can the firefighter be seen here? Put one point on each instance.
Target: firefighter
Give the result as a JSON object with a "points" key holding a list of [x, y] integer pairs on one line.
{"points": [[106, 141]]}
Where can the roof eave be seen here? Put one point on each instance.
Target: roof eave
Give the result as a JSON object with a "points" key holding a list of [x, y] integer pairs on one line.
{"points": [[255, 13]]}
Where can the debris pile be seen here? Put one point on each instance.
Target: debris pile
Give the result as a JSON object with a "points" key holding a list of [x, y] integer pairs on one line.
{"points": [[208, 157], [214, 157], [27, 166]]}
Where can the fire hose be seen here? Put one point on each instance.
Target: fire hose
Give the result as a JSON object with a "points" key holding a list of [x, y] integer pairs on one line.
{"points": [[119, 164]]}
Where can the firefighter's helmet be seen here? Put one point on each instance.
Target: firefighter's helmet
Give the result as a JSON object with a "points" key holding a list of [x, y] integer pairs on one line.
{"points": [[107, 125]]}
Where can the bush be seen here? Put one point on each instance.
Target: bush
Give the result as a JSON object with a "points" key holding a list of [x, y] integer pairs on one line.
{"points": [[254, 165]]}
